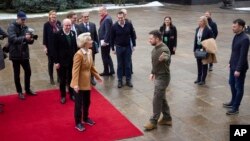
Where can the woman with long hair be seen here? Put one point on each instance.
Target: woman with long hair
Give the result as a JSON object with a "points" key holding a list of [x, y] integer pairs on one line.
{"points": [[169, 33], [49, 28]]}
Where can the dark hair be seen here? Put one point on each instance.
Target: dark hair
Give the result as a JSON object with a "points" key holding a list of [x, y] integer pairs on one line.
{"points": [[70, 14], [120, 12], [156, 34], [240, 22], [164, 25]]}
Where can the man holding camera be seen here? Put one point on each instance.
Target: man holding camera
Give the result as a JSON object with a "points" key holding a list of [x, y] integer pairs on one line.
{"points": [[19, 39]]}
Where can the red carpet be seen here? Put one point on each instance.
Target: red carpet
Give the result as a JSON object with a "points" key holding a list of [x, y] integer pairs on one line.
{"points": [[43, 118]]}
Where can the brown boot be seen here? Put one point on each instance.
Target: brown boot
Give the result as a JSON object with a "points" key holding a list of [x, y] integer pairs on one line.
{"points": [[150, 126], [163, 121]]}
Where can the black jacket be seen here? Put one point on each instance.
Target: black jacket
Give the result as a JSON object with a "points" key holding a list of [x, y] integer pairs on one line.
{"points": [[93, 33], [239, 56], [171, 37], [206, 34], [122, 36], [18, 45], [48, 37], [65, 51], [213, 26]]}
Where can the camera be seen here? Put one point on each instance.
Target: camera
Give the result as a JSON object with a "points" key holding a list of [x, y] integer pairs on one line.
{"points": [[2, 37], [31, 31]]}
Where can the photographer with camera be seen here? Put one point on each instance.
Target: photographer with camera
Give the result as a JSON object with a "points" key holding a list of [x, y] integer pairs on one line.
{"points": [[19, 39], [2, 64], [3, 34]]}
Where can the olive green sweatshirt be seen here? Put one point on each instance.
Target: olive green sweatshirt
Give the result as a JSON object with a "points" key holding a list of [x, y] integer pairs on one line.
{"points": [[161, 68]]}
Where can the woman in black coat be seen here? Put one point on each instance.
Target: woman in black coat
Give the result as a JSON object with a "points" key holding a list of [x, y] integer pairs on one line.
{"points": [[169, 34], [49, 29], [203, 32]]}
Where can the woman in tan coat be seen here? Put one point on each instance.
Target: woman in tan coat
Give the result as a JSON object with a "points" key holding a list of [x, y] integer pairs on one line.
{"points": [[83, 67]]}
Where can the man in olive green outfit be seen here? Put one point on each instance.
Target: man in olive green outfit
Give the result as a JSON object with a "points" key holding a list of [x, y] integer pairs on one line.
{"points": [[160, 74]]}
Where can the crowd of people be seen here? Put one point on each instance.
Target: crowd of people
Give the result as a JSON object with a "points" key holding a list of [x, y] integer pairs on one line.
{"points": [[71, 48]]}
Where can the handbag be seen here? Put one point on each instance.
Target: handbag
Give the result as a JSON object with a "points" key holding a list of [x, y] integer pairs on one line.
{"points": [[200, 54]]}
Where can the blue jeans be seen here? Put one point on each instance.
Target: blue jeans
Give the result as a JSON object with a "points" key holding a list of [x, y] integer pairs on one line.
{"points": [[123, 55], [237, 88]]}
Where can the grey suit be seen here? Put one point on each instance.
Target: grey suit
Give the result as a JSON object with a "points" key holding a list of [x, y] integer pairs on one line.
{"points": [[104, 34]]}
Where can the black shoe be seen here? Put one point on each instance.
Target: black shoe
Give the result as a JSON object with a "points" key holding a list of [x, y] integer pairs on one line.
{"points": [[72, 97], [111, 73], [196, 81], [210, 68], [129, 83], [201, 83], [89, 122], [93, 81], [63, 100], [52, 82], [104, 74], [119, 84], [232, 112], [80, 127], [58, 80], [227, 105], [30, 92], [21, 96]]}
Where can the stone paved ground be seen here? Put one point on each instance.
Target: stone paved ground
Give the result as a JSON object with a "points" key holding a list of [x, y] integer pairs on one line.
{"points": [[197, 110]]}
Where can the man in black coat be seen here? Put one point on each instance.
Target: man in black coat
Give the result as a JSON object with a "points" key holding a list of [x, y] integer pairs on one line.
{"points": [[87, 26], [65, 47], [238, 65], [213, 27], [19, 39]]}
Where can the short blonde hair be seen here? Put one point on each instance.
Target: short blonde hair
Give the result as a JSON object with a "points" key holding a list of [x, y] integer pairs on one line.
{"points": [[82, 39], [204, 19]]}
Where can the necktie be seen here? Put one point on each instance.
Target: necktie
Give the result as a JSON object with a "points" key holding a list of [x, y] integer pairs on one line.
{"points": [[87, 26]]}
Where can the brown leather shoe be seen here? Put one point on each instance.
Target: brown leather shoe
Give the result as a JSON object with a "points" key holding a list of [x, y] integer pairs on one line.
{"points": [[163, 121], [150, 126]]}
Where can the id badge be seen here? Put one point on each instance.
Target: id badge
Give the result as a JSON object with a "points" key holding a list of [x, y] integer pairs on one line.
{"points": [[165, 39], [198, 43]]}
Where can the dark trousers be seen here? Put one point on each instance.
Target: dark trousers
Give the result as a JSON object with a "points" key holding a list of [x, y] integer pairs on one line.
{"points": [[82, 103], [51, 62], [65, 74], [123, 55], [202, 70], [107, 60], [211, 65], [237, 88], [27, 74]]}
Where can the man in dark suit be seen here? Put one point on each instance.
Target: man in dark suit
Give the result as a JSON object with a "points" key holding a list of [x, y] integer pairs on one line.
{"points": [[87, 26], [104, 37], [238, 66], [73, 17], [65, 47]]}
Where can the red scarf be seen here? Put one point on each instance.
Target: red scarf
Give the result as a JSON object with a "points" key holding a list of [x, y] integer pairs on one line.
{"points": [[103, 18]]}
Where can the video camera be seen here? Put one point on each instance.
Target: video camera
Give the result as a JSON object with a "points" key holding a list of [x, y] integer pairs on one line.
{"points": [[2, 37], [31, 32]]}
